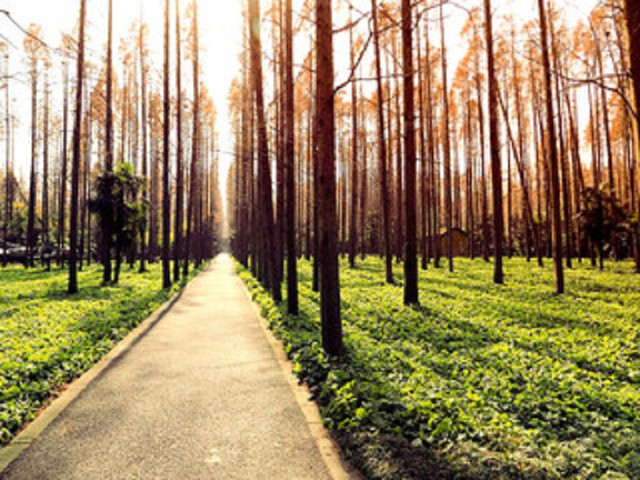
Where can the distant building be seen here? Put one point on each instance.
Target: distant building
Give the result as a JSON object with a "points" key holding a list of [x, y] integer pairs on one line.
{"points": [[460, 244]]}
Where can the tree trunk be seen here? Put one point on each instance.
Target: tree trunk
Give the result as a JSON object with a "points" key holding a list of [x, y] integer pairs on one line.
{"points": [[382, 149], [364, 187], [483, 169], [411, 260], [106, 228], [75, 165], [494, 139], [423, 159], [470, 174], [326, 194], [46, 254], [553, 154], [166, 131], [62, 206], [278, 86], [433, 190], [145, 160], [446, 145], [31, 214], [353, 230], [264, 175], [564, 169], [86, 170], [399, 173], [289, 155], [7, 180], [178, 225], [632, 16]]}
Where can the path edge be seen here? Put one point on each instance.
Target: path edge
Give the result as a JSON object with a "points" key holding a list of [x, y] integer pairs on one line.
{"points": [[34, 429], [338, 467]]}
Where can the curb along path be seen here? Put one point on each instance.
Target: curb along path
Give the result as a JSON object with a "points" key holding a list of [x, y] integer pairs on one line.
{"points": [[199, 395]]}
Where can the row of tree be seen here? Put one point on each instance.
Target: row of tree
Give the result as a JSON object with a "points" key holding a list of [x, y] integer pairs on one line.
{"points": [[444, 154], [111, 189]]}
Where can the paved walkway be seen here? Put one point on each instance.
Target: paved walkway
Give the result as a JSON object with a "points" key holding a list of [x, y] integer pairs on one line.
{"points": [[201, 395]]}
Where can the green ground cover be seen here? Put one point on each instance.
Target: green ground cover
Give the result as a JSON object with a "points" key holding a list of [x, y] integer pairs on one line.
{"points": [[481, 381], [48, 338]]}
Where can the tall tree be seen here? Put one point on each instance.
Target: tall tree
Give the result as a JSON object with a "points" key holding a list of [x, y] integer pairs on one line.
{"points": [[353, 227], [191, 240], [632, 17], [62, 204], [267, 265], [411, 259], [33, 48], [7, 138], [46, 253], [142, 53], [446, 145], [494, 139], [178, 225], [75, 163], [166, 130], [108, 166], [433, 190], [289, 155], [552, 151], [326, 193], [382, 148]]}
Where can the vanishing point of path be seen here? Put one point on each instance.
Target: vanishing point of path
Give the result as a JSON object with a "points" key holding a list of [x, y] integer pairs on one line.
{"points": [[201, 395]]}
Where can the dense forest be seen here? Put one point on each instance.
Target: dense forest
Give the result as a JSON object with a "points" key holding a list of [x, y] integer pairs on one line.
{"points": [[434, 205], [127, 172], [456, 227], [526, 147]]}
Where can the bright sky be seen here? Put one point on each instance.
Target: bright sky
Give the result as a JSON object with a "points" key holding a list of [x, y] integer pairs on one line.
{"points": [[221, 41]]}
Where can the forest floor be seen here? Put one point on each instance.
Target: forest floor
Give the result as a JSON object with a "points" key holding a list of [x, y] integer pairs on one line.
{"points": [[48, 338], [481, 381], [198, 394]]}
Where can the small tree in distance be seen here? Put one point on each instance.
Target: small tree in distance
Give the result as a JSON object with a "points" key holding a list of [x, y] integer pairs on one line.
{"points": [[120, 216]]}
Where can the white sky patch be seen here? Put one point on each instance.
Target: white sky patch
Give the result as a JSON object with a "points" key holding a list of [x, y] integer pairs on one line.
{"points": [[221, 30]]}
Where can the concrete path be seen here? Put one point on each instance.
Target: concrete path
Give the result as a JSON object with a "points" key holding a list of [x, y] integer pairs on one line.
{"points": [[200, 395]]}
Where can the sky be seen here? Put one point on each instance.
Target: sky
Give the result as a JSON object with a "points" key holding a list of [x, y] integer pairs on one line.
{"points": [[221, 42]]}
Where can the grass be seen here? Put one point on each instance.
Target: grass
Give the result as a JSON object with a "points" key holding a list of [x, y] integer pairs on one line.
{"points": [[481, 381], [48, 338]]}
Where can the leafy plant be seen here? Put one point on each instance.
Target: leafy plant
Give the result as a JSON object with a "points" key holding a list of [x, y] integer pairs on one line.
{"points": [[485, 381], [48, 338]]}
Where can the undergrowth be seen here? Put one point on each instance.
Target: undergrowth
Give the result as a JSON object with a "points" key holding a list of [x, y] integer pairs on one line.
{"points": [[480, 381], [48, 338]]}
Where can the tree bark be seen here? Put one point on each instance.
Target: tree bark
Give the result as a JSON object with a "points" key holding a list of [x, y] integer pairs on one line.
{"points": [[632, 16], [446, 145], [178, 225], [326, 194], [31, 213], [7, 178], [106, 229], [411, 260], [145, 160], [264, 176], [382, 149], [494, 139], [553, 153], [166, 131], [289, 155], [46, 254], [75, 165], [62, 205], [353, 230]]}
